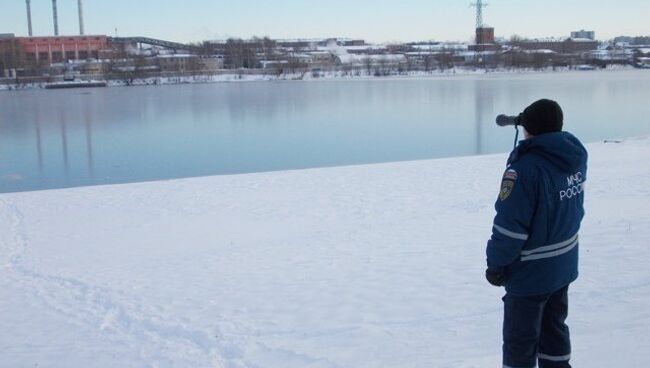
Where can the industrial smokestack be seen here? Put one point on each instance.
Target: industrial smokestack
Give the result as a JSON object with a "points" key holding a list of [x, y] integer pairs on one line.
{"points": [[81, 17], [29, 17], [56, 18]]}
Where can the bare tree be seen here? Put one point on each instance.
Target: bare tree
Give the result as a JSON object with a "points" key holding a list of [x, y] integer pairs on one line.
{"points": [[268, 48], [347, 69], [204, 49], [383, 67], [516, 40], [641, 40], [410, 64], [540, 60], [429, 61], [234, 54], [194, 66], [133, 69], [278, 69], [445, 60], [295, 64], [367, 63]]}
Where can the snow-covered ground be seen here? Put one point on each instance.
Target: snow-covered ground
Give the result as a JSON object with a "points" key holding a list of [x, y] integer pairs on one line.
{"points": [[361, 266]]}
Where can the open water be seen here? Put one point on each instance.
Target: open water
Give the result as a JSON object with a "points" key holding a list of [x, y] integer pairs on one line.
{"points": [[67, 138]]}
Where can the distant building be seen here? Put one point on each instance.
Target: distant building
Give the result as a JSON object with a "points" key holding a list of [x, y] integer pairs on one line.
{"points": [[321, 59], [188, 63], [643, 62], [363, 49], [314, 43], [484, 40], [484, 35], [178, 62], [614, 56], [9, 53], [286, 44], [56, 49], [590, 35], [387, 60], [565, 46], [475, 56], [531, 58], [632, 41], [440, 46]]}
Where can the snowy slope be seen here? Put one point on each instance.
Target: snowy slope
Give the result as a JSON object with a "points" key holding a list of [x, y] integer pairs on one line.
{"points": [[364, 266]]}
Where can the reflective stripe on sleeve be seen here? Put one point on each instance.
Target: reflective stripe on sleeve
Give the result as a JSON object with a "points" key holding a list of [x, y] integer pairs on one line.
{"points": [[553, 358], [511, 234]]}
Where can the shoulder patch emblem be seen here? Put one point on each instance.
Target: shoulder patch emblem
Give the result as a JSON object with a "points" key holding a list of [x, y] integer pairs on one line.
{"points": [[510, 175], [506, 189]]}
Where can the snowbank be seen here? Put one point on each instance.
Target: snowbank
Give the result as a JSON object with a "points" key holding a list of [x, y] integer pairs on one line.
{"points": [[363, 266]]}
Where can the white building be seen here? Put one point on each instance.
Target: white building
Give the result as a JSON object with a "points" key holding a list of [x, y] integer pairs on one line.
{"points": [[591, 35], [372, 60]]}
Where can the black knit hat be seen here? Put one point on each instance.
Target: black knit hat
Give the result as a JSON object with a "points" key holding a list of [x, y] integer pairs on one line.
{"points": [[543, 116]]}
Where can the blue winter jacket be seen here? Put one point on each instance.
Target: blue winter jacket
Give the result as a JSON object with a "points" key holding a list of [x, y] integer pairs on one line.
{"points": [[540, 206]]}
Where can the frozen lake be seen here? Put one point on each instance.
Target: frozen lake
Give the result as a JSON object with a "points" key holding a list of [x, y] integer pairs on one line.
{"points": [[55, 139]]}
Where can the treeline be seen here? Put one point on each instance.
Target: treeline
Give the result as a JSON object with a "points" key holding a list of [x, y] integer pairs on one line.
{"points": [[240, 53]]}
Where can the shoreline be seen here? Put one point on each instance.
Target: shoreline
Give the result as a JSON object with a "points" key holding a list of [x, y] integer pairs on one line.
{"points": [[449, 74], [374, 165]]}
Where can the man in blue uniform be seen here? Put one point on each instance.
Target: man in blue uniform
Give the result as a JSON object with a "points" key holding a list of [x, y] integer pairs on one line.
{"points": [[533, 250]]}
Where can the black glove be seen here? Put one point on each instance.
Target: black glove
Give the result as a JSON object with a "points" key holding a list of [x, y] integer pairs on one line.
{"points": [[496, 278]]}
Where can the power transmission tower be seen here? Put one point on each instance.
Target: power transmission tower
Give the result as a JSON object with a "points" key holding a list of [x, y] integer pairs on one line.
{"points": [[479, 5]]}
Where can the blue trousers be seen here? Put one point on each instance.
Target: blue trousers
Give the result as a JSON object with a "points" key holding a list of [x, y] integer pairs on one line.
{"points": [[534, 331]]}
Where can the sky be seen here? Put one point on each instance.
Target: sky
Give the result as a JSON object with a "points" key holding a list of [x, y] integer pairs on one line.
{"points": [[374, 21]]}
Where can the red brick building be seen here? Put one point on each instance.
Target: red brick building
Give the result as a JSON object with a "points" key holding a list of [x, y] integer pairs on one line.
{"points": [[9, 52], [566, 46], [56, 49], [484, 35]]}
